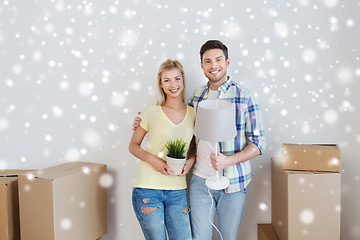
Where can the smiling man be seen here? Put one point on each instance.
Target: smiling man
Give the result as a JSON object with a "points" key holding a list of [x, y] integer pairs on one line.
{"points": [[233, 159]]}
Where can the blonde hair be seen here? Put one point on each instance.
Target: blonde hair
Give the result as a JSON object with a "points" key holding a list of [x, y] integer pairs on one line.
{"points": [[165, 66]]}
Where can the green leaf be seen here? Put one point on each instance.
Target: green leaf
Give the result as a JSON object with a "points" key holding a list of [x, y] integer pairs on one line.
{"points": [[176, 148]]}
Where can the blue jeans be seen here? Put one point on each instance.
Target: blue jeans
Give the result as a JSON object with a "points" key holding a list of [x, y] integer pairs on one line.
{"points": [[157, 209], [229, 206]]}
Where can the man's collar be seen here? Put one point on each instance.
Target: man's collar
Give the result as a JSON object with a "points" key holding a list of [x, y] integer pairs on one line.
{"points": [[225, 86]]}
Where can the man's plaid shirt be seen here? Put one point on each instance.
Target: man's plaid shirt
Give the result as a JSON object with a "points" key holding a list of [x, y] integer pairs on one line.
{"points": [[249, 127]]}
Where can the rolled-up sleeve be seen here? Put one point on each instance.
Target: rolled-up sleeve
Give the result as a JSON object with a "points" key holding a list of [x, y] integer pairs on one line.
{"points": [[254, 129]]}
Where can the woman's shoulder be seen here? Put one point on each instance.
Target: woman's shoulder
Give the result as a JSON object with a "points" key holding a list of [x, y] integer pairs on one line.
{"points": [[190, 108], [191, 111], [151, 107]]}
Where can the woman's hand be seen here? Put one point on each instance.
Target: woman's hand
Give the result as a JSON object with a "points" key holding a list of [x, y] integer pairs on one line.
{"points": [[191, 157], [160, 165], [188, 164], [134, 147]]}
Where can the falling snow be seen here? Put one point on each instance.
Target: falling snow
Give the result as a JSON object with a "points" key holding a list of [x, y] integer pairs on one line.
{"points": [[65, 224], [307, 216], [106, 180], [74, 74]]}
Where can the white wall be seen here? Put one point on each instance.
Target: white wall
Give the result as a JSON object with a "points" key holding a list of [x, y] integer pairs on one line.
{"points": [[75, 73]]}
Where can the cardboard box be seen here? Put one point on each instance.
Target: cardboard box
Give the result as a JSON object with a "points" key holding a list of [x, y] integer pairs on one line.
{"points": [[9, 209], [304, 205], [266, 232], [63, 202], [9, 205], [314, 157]]}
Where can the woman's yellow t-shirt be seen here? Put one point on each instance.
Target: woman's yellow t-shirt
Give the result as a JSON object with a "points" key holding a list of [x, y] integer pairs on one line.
{"points": [[159, 130]]}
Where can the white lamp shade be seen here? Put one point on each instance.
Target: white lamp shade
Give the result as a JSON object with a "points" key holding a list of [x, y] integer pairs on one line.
{"points": [[215, 121]]}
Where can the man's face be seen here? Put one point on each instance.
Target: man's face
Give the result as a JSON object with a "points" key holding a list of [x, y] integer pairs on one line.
{"points": [[215, 66]]}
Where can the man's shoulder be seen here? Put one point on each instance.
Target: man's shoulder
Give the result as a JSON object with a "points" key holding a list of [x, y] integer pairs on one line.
{"points": [[201, 89], [197, 94], [244, 91]]}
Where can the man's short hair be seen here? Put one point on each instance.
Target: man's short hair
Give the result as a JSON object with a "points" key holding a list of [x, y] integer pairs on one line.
{"points": [[213, 44]]}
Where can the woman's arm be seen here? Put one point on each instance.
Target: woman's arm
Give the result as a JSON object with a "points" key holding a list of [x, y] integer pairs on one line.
{"points": [[191, 157], [134, 147]]}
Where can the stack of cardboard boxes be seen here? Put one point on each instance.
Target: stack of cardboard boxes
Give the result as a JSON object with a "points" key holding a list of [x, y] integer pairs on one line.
{"points": [[62, 202], [305, 194]]}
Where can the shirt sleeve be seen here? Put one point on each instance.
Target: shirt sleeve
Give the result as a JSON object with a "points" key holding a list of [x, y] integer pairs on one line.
{"points": [[254, 129], [145, 118]]}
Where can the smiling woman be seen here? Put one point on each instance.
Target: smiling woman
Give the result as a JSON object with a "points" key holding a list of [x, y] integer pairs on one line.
{"points": [[169, 119]]}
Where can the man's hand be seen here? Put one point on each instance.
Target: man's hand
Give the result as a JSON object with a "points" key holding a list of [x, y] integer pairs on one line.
{"points": [[136, 123], [219, 162]]}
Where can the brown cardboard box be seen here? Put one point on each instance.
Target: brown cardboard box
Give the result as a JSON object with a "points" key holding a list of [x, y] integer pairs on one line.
{"points": [[266, 232], [9, 209], [314, 157], [304, 205], [63, 202], [9, 205]]}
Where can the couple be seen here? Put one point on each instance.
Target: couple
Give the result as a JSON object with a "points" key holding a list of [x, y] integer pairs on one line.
{"points": [[159, 199]]}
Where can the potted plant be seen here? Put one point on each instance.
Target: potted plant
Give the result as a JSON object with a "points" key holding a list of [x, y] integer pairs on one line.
{"points": [[176, 156]]}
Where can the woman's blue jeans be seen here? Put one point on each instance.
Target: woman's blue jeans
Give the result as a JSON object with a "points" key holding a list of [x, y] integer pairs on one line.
{"points": [[157, 209]]}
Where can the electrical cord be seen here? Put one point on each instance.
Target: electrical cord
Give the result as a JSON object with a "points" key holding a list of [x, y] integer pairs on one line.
{"points": [[212, 202]]}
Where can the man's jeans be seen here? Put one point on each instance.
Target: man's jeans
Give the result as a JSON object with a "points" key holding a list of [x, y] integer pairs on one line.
{"points": [[156, 208], [229, 206]]}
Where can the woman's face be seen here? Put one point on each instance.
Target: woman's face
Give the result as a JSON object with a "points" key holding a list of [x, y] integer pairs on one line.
{"points": [[172, 83]]}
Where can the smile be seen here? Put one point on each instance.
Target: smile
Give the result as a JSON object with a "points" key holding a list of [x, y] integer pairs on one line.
{"points": [[174, 90], [214, 72]]}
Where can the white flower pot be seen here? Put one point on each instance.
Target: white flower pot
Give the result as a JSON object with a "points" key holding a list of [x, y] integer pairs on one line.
{"points": [[175, 164]]}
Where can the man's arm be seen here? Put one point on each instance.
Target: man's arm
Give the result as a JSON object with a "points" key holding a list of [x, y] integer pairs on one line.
{"points": [[254, 129], [254, 133], [221, 161]]}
